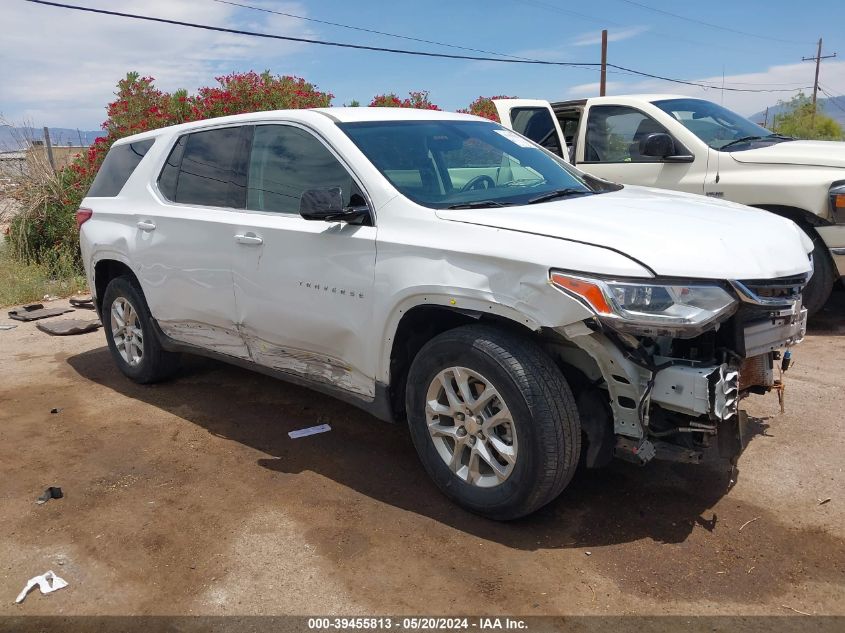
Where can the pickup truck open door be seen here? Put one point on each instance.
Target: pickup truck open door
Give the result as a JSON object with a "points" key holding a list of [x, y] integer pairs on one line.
{"points": [[606, 140], [534, 119]]}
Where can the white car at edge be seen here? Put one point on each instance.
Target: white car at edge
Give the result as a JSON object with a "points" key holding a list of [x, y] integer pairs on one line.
{"points": [[441, 269]]}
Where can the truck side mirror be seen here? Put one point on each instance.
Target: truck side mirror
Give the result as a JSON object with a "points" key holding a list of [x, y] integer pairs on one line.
{"points": [[657, 145], [661, 145]]}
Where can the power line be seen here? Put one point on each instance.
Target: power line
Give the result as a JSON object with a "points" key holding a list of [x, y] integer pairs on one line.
{"points": [[709, 24], [834, 99], [365, 30], [400, 51], [306, 40]]}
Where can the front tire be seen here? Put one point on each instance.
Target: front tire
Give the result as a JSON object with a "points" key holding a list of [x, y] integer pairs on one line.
{"points": [[132, 340], [493, 421], [821, 283]]}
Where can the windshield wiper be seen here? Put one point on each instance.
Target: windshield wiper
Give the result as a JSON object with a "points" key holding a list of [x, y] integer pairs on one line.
{"points": [[744, 139], [560, 193], [477, 204], [783, 137]]}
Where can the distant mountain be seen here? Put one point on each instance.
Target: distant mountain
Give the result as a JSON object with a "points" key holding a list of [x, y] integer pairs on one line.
{"points": [[12, 138], [833, 107]]}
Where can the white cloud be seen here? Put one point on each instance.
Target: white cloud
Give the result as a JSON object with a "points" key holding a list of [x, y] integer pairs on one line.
{"points": [[594, 37], [775, 77], [60, 66]]}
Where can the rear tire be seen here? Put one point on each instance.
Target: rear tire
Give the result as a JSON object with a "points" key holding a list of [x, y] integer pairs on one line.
{"points": [[493, 421], [131, 336], [821, 283]]}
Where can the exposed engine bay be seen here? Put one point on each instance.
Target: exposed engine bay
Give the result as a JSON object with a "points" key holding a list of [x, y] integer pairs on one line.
{"points": [[676, 398]]}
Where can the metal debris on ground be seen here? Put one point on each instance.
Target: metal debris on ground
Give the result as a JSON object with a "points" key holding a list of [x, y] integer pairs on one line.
{"points": [[47, 583], [53, 492], [35, 311], [66, 327], [747, 522], [4, 327], [56, 410], [86, 303], [311, 430], [824, 501]]}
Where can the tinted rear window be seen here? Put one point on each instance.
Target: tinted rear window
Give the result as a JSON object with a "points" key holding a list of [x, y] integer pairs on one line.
{"points": [[208, 168], [120, 162]]}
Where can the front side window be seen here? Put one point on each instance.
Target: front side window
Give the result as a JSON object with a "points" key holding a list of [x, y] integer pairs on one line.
{"points": [[538, 125], [286, 161], [450, 163], [717, 126], [207, 168], [614, 134], [119, 164]]}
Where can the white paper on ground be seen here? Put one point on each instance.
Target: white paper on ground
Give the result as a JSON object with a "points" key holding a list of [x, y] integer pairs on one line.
{"points": [[311, 430], [47, 583]]}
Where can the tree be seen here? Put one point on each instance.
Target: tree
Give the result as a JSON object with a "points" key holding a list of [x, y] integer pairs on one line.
{"points": [[416, 99], [797, 120], [484, 107]]}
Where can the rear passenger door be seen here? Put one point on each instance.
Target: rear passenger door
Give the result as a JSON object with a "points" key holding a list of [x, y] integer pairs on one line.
{"points": [[534, 119], [304, 288], [185, 242]]}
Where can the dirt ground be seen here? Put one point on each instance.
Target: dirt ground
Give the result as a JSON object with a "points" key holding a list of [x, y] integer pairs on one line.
{"points": [[188, 497]]}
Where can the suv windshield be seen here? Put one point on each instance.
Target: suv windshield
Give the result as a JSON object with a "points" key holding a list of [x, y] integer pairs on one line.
{"points": [[718, 126], [455, 164]]}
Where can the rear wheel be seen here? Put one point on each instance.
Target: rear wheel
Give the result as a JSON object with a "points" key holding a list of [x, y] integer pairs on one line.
{"points": [[129, 331], [821, 283], [493, 421]]}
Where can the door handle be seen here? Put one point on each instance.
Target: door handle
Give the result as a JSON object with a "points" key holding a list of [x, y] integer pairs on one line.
{"points": [[144, 225], [251, 239]]}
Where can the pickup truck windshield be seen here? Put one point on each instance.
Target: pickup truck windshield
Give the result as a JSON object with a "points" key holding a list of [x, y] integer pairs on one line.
{"points": [[464, 164], [718, 126]]}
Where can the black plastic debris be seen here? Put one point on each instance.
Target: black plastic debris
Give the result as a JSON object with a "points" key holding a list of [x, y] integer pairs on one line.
{"points": [[66, 327], [35, 311], [53, 492], [56, 410]]}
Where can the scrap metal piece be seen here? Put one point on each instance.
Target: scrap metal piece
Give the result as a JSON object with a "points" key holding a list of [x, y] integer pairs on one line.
{"points": [[82, 302], [35, 311], [66, 327]]}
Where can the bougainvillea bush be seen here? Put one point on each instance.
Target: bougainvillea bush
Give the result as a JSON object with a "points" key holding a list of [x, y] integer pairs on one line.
{"points": [[415, 99], [484, 107], [45, 229]]}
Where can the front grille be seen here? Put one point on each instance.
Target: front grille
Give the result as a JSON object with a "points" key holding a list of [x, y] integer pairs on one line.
{"points": [[780, 288]]}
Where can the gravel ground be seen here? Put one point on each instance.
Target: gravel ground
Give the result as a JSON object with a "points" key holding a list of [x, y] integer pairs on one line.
{"points": [[188, 497]]}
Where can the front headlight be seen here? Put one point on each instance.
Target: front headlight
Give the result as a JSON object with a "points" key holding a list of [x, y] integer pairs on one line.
{"points": [[650, 308]]}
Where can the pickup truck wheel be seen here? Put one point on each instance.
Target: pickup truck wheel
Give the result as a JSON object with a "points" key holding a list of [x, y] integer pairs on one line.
{"points": [[129, 331], [818, 290], [493, 421]]}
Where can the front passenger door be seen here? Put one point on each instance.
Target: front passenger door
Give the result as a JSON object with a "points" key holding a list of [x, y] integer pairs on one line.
{"points": [[610, 149], [304, 288]]}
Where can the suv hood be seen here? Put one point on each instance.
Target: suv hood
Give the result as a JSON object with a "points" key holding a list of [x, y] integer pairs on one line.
{"points": [[813, 153], [673, 234]]}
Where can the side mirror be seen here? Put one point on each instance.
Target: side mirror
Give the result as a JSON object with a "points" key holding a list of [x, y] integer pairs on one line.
{"points": [[657, 145], [661, 145], [326, 205]]}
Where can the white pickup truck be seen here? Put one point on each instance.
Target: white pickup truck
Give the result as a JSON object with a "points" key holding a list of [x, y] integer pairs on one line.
{"points": [[693, 145]]}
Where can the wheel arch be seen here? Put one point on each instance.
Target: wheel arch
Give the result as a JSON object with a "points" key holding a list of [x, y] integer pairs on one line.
{"points": [[105, 270], [413, 325]]}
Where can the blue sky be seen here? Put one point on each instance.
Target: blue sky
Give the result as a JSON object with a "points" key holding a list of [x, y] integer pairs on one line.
{"points": [[68, 77]]}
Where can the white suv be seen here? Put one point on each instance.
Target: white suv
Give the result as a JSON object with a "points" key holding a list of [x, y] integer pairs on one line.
{"points": [[442, 269]]}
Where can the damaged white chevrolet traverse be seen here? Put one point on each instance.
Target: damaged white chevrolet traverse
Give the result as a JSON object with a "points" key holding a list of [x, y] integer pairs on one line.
{"points": [[437, 268]]}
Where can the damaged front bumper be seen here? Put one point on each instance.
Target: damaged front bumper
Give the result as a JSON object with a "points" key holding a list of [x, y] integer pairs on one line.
{"points": [[665, 406]]}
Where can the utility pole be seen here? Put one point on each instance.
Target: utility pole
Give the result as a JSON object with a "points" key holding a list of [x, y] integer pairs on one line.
{"points": [[49, 148], [603, 82], [818, 59]]}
